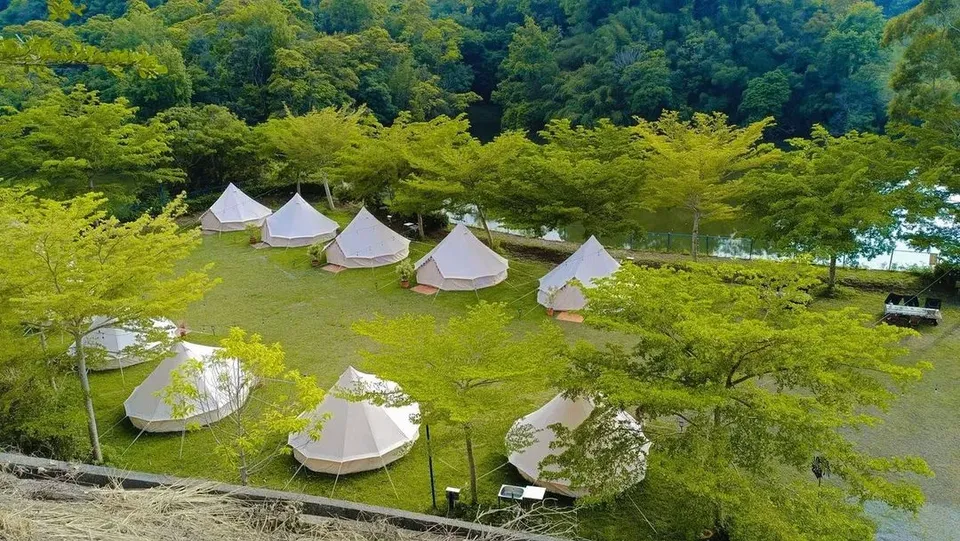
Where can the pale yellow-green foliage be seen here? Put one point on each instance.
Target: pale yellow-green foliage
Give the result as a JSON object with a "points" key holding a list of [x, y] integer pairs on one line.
{"points": [[256, 432]]}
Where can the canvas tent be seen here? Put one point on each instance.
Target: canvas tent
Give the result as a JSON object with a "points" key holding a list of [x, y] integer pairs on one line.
{"points": [[219, 385], [357, 436], [366, 242], [297, 223], [568, 413], [589, 262], [233, 211], [461, 263], [123, 345]]}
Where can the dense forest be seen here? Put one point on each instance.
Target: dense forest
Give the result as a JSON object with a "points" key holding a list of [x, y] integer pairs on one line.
{"points": [[377, 98], [803, 62]]}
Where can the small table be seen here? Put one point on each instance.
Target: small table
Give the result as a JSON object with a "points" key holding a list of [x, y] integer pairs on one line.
{"points": [[912, 312], [532, 494]]}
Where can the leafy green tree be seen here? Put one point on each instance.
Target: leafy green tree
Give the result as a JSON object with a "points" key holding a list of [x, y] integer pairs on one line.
{"points": [[764, 386], [459, 372], [74, 142], [406, 165], [697, 165], [832, 197], [169, 89], [306, 148], [256, 432], [212, 146], [765, 96], [39, 398], [925, 114], [529, 77], [479, 169], [580, 175], [69, 262]]}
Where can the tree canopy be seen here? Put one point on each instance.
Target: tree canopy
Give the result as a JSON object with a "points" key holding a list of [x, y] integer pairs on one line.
{"points": [[762, 385]]}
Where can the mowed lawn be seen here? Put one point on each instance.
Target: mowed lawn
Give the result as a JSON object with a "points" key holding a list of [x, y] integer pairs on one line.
{"points": [[276, 292]]}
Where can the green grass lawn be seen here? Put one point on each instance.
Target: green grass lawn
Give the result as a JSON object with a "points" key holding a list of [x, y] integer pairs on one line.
{"points": [[276, 292]]}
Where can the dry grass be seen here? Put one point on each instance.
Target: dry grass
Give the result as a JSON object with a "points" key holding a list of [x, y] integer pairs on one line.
{"points": [[50, 510]]}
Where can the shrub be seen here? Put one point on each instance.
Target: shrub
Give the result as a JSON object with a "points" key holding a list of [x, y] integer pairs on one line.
{"points": [[256, 234], [405, 270], [316, 252]]}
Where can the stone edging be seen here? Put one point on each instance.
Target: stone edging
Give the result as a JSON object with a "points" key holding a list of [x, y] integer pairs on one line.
{"points": [[100, 476]]}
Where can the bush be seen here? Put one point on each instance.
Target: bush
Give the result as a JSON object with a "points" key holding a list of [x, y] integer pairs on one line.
{"points": [[255, 232], [316, 252], [41, 412], [405, 270]]}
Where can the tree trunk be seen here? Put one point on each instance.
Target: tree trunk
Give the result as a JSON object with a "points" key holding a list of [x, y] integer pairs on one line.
{"points": [[420, 226], [244, 476], [472, 465], [298, 184], [483, 219], [695, 236], [90, 183], [88, 399], [832, 276], [326, 188]]}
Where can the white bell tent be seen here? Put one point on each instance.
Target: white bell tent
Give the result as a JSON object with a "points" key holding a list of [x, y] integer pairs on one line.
{"points": [[297, 223], [124, 345], [220, 386], [357, 436], [461, 263], [568, 413], [590, 262], [366, 242], [233, 211]]}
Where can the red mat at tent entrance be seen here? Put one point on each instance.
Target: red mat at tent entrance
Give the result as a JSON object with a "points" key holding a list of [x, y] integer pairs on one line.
{"points": [[570, 316], [424, 289]]}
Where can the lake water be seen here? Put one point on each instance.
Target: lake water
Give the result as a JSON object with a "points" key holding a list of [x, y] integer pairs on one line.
{"points": [[669, 232]]}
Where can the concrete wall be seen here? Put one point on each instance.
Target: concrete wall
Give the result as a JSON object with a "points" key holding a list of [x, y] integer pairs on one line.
{"points": [[85, 474]]}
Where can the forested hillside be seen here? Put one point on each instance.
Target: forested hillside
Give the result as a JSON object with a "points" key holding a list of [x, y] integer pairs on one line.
{"points": [[801, 61], [376, 98]]}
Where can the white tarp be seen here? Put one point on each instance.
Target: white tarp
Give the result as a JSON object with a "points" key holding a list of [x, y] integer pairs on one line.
{"points": [[461, 263], [220, 386], [233, 211], [366, 242], [590, 262], [122, 343], [297, 223], [570, 414], [357, 436]]}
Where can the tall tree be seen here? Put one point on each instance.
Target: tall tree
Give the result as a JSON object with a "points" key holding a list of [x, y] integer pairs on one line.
{"points": [[764, 385], [589, 176], [833, 197], [459, 372], [70, 262], [73, 142], [306, 148], [212, 146], [408, 165], [925, 114], [256, 432], [529, 77], [697, 165]]}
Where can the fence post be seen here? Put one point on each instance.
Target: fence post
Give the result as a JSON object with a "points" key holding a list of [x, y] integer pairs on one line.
{"points": [[708, 244], [751, 249], [669, 236]]}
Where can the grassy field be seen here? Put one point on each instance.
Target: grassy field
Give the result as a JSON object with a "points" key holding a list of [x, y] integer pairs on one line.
{"points": [[276, 293]]}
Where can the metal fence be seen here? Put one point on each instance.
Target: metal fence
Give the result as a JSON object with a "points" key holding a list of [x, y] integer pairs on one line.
{"points": [[682, 243]]}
